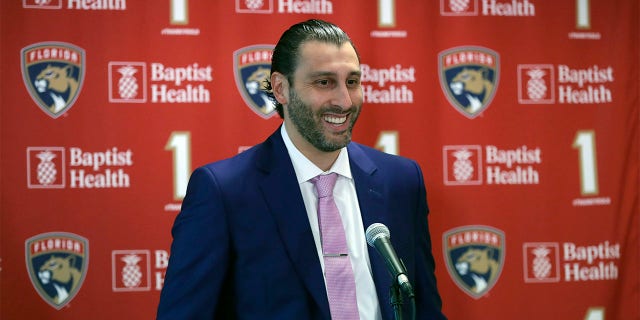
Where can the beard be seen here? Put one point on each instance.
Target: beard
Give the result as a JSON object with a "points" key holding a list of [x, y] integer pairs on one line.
{"points": [[311, 127]]}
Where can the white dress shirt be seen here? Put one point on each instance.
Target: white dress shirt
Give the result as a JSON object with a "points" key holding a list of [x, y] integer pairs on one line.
{"points": [[346, 199]]}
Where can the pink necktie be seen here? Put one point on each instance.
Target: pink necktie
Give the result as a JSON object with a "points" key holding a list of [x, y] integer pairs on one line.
{"points": [[341, 285]]}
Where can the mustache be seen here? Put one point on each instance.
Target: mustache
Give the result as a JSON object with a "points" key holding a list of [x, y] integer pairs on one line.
{"points": [[339, 110]]}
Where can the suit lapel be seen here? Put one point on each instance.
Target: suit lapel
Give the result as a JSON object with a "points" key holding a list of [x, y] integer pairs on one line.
{"points": [[282, 194], [368, 186], [370, 189]]}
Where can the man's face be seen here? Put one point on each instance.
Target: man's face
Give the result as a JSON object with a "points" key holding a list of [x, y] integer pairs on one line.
{"points": [[326, 96]]}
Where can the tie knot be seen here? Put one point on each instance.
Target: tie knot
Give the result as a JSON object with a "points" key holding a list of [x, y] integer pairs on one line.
{"points": [[324, 184]]}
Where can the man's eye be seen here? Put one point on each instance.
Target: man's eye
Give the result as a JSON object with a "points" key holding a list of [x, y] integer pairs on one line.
{"points": [[353, 82], [323, 82]]}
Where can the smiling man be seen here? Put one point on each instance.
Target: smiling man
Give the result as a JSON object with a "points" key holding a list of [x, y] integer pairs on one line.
{"points": [[323, 98], [278, 231]]}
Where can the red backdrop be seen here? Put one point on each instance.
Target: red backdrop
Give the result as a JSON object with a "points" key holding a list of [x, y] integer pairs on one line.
{"points": [[522, 113]]}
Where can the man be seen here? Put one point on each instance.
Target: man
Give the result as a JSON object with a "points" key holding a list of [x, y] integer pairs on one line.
{"points": [[248, 244]]}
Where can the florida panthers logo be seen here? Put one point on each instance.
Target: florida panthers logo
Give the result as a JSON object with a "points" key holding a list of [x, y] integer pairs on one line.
{"points": [[57, 263], [252, 67], [53, 73], [475, 255], [469, 78]]}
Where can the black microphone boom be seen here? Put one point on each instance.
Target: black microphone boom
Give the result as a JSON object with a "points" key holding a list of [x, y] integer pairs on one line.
{"points": [[378, 236]]}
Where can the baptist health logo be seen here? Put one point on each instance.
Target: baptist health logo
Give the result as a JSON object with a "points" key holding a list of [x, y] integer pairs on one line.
{"points": [[463, 165], [539, 83], [131, 270], [93, 5], [388, 84], [167, 84], [508, 8], [47, 168], [285, 6], [550, 262]]}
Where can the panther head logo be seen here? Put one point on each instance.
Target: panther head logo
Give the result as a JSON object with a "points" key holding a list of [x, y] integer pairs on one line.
{"points": [[255, 84], [62, 275], [59, 83], [480, 265], [474, 85], [57, 263], [469, 78], [475, 256], [53, 73], [252, 66]]}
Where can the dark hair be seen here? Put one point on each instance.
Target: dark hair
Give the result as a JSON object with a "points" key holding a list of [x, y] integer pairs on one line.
{"points": [[287, 52]]}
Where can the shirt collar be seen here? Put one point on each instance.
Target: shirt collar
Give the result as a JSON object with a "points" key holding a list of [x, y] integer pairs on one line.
{"points": [[305, 169]]}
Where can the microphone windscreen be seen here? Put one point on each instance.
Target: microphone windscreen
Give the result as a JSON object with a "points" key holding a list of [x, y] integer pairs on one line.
{"points": [[376, 231]]}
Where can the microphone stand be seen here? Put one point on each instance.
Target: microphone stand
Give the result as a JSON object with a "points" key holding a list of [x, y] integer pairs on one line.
{"points": [[396, 301]]}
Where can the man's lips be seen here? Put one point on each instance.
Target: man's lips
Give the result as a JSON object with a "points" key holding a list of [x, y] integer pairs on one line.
{"points": [[335, 119]]}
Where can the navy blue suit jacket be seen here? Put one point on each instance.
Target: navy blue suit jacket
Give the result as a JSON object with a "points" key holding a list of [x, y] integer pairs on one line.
{"points": [[243, 248]]}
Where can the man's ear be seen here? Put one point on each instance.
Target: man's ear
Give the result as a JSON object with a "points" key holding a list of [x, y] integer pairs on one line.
{"points": [[280, 87]]}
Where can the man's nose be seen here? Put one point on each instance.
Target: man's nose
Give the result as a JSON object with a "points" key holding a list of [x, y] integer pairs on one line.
{"points": [[342, 97]]}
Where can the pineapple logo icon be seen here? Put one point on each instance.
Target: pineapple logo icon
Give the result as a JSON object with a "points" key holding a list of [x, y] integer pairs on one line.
{"points": [[459, 7], [462, 165], [536, 88], [131, 270], [541, 262], [535, 84], [254, 6], [127, 85], [127, 82], [42, 4], [131, 274], [45, 167]]}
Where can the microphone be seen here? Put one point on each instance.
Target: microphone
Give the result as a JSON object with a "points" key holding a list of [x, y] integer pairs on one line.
{"points": [[378, 236]]}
